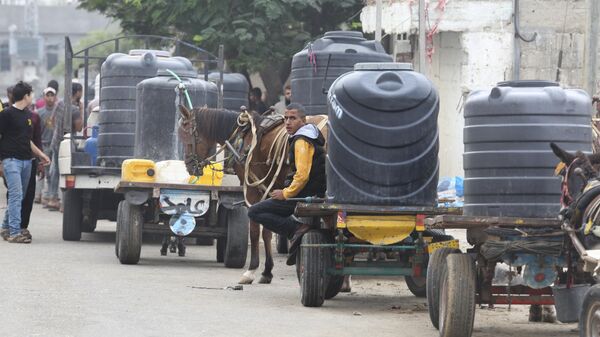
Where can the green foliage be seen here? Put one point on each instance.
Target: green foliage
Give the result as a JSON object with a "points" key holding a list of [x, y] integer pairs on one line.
{"points": [[257, 34]]}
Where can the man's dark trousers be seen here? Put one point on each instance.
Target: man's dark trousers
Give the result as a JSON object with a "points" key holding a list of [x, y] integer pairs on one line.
{"points": [[276, 216]]}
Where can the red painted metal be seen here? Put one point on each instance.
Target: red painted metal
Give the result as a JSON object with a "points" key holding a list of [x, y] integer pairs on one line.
{"points": [[520, 295]]}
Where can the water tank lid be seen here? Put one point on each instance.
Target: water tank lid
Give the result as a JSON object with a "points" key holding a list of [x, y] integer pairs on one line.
{"points": [[343, 34], [179, 72], [157, 53], [528, 84], [383, 66]]}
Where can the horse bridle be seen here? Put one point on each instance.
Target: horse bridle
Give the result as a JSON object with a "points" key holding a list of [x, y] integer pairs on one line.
{"points": [[566, 198]]}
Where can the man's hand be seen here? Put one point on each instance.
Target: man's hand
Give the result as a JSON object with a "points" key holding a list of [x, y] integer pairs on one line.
{"points": [[44, 160], [277, 195], [41, 172]]}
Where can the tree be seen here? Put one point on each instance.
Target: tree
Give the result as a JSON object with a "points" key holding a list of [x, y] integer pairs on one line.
{"points": [[258, 35]]}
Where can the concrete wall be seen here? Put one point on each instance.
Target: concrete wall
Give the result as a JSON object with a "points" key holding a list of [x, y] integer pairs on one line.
{"points": [[474, 49]]}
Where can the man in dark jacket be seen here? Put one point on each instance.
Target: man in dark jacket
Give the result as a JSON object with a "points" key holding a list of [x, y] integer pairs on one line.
{"points": [[306, 179]]}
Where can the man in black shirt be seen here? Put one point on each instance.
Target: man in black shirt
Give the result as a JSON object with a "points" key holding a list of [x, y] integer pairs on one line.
{"points": [[16, 151]]}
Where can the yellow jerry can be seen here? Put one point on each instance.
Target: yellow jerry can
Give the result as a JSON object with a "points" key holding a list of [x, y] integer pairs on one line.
{"points": [[381, 230], [138, 170], [212, 175]]}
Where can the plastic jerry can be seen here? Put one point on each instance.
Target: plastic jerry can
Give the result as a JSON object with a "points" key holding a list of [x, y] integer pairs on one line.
{"points": [[138, 170], [212, 175]]}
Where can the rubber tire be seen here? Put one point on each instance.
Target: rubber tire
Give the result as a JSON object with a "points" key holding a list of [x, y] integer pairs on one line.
{"points": [[313, 276], [129, 238], [281, 244], [435, 270], [72, 216], [591, 304], [457, 298], [89, 226], [415, 288], [117, 232], [334, 285], [221, 244], [236, 248]]}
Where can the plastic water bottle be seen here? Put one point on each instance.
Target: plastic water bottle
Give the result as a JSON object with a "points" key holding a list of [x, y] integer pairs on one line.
{"points": [[91, 146]]}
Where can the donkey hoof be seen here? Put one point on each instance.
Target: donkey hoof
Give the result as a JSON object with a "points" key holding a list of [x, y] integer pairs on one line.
{"points": [[265, 279], [163, 252]]}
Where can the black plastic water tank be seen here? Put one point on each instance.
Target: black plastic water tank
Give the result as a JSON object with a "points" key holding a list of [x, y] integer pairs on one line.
{"points": [[157, 112], [235, 90], [508, 163], [119, 75], [383, 137], [308, 66]]}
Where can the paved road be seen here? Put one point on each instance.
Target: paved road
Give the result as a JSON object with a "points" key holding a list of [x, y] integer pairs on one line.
{"points": [[55, 288]]}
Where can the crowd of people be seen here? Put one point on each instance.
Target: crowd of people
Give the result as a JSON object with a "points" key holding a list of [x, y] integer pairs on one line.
{"points": [[30, 136]]}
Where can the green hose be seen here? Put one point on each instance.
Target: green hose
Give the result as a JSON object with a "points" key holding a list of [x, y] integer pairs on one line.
{"points": [[189, 101]]}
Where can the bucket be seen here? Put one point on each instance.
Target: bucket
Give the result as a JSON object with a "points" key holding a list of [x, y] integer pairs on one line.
{"points": [[569, 301]]}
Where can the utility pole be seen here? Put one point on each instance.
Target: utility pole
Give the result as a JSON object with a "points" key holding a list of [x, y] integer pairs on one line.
{"points": [[591, 50], [378, 20], [422, 41]]}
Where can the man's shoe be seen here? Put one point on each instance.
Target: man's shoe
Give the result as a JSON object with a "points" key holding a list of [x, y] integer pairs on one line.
{"points": [[54, 205], [25, 232], [4, 233], [295, 243], [19, 239], [37, 199]]}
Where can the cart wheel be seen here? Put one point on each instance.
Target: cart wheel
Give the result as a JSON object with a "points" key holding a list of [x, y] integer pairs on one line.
{"points": [[416, 285], [221, 244], [236, 248], [88, 223], [313, 276], [72, 216], [282, 244], [435, 270], [117, 232], [129, 238], [589, 320], [457, 298], [334, 286]]}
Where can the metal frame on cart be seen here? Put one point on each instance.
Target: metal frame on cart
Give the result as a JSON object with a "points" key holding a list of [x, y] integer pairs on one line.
{"points": [[338, 246]]}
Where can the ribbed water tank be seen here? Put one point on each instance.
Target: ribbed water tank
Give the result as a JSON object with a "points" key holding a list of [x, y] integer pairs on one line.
{"points": [[508, 163], [383, 137], [235, 90], [119, 75], [157, 112], [346, 48]]}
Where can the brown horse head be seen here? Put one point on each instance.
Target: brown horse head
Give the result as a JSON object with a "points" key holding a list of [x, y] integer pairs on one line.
{"points": [[576, 170], [200, 129]]}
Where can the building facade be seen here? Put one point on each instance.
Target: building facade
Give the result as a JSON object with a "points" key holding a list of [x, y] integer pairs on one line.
{"points": [[471, 45]]}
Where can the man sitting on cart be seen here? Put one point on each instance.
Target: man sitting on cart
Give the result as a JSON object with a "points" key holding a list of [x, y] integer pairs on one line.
{"points": [[306, 178]]}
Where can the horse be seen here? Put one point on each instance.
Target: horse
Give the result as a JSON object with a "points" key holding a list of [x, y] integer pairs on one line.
{"points": [[202, 128]]}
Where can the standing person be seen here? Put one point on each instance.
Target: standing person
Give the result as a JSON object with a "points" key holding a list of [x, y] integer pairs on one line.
{"points": [[46, 113], [57, 137], [36, 169], [255, 100], [306, 179], [287, 100], [16, 151]]}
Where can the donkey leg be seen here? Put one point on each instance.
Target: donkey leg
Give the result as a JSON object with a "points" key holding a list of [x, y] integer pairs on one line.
{"points": [[165, 245], [267, 276], [347, 284], [248, 276]]}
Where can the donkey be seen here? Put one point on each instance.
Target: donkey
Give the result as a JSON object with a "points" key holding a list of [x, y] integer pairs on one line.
{"points": [[202, 128]]}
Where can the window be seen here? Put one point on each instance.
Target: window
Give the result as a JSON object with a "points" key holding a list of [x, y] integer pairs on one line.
{"points": [[4, 57], [51, 56]]}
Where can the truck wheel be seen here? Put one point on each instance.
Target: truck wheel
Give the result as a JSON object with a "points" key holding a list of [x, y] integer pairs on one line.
{"points": [[334, 285], [313, 275], [457, 298], [221, 244], [88, 224], [435, 269], [129, 238], [282, 244], [589, 319], [72, 216], [416, 285], [236, 247]]}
